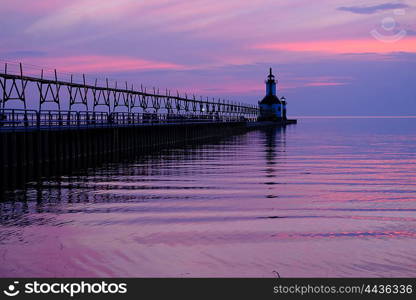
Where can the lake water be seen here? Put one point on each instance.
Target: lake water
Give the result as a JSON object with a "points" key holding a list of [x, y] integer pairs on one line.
{"points": [[328, 197]]}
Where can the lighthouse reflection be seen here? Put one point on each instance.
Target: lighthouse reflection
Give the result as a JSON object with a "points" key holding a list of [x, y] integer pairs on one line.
{"points": [[274, 148]]}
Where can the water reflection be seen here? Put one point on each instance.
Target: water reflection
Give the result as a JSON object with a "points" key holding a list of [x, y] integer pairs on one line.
{"points": [[274, 147], [140, 173], [308, 200]]}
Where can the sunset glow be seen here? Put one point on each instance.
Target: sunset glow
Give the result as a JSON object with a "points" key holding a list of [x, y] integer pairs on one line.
{"points": [[223, 49], [346, 46]]}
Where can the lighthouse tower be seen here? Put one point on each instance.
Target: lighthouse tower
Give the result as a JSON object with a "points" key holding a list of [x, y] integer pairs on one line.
{"points": [[271, 107]]}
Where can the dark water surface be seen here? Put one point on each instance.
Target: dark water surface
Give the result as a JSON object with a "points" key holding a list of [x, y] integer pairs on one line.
{"points": [[326, 197]]}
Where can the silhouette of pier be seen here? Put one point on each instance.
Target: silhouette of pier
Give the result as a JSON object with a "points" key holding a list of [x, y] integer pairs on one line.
{"points": [[52, 124], [138, 105]]}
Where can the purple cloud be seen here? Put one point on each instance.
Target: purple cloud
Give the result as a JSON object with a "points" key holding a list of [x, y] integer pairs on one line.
{"points": [[367, 10]]}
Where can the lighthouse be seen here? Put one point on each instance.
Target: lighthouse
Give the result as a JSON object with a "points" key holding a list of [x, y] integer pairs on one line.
{"points": [[271, 107]]}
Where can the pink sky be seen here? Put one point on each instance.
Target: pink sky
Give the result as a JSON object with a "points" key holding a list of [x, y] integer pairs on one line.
{"points": [[346, 46], [223, 48]]}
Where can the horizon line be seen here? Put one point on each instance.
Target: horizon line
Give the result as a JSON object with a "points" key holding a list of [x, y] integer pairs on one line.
{"points": [[356, 117]]}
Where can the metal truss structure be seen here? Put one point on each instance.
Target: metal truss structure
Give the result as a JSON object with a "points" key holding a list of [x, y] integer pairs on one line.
{"points": [[84, 98]]}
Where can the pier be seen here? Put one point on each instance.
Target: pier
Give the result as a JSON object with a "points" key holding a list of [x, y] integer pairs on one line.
{"points": [[102, 122]]}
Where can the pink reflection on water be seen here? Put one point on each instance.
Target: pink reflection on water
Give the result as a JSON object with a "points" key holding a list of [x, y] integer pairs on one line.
{"points": [[294, 201]]}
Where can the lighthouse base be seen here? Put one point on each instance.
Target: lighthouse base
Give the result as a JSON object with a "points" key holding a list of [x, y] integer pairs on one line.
{"points": [[276, 120], [272, 123]]}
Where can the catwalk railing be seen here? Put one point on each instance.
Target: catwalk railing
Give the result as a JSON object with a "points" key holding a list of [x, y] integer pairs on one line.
{"points": [[139, 106], [19, 118]]}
